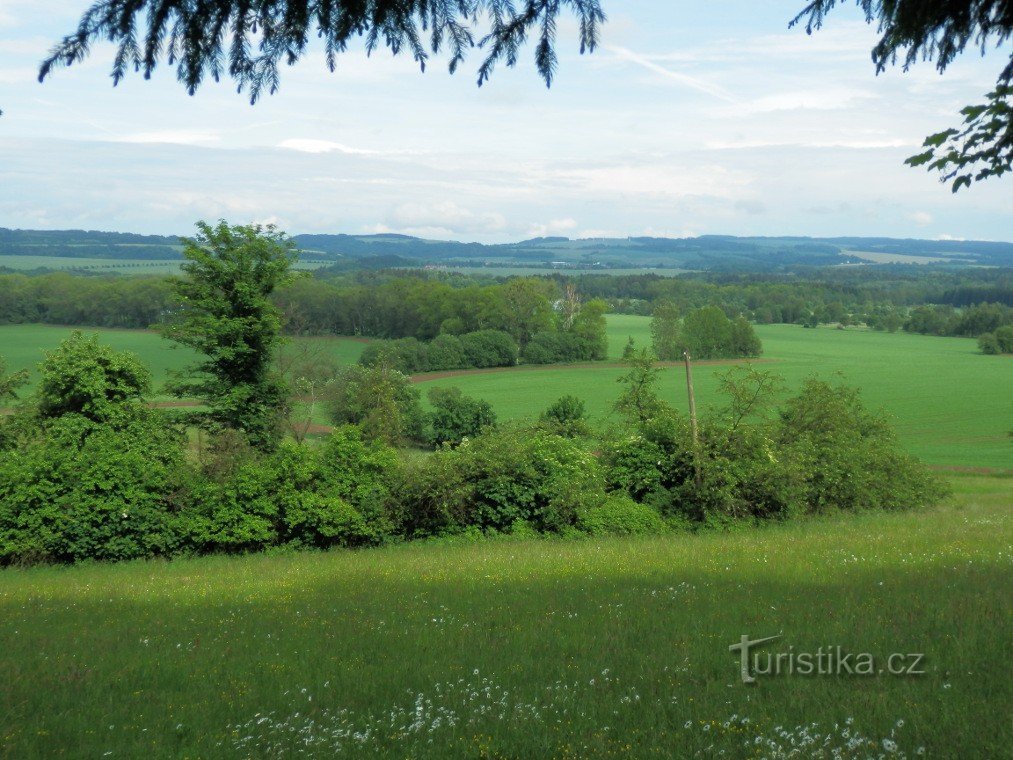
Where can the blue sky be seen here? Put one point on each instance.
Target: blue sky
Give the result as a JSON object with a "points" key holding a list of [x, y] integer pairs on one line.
{"points": [[694, 118]]}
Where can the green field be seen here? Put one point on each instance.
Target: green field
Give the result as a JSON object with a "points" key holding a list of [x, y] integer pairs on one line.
{"points": [[22, 345], [117, 266], [950, 404], [522, 271], [525, 649]]}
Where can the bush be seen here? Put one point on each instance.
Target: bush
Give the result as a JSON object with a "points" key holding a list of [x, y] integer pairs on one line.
{"points": [[298, 496], [82, 376], [556, 348], [493, 480], [567, 417], [456, 416], [446, 352], [825, 451], [81, 490], [489, 348], [619, 515], [382, 401]]}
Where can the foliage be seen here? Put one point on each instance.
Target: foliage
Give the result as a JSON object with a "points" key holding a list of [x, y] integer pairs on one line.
{"points": [[619, 515], [823, 451], [496, 479], [9, 383], [299, 496], [639, 401], [567, 417], [665, 322], [489, 348], [254, 39], [456, 416], [475, 350], [224, 312], [381, 400], [82, 376], [704, 333], [79, 489]]}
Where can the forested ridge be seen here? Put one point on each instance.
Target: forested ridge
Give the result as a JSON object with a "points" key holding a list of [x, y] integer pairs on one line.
{"points": [[707, 252]]}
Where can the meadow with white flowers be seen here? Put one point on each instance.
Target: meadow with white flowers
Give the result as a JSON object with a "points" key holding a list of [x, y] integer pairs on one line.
{"points": [[525, 648]]}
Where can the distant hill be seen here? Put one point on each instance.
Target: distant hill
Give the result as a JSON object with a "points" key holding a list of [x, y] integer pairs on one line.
{"points": [[708, 252]]}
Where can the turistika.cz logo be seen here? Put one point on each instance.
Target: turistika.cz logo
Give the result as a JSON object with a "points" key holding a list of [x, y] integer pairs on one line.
{"points": [[825, 661]]}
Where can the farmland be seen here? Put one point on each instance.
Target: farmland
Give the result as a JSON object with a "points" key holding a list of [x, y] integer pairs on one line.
{"points": [[950, 404]]}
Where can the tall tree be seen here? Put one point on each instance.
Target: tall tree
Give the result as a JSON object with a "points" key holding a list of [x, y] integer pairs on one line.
{"points": [[225, 313]]}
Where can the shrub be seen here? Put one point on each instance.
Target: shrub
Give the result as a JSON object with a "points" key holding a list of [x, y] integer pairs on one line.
{"points": [[555, 348], [82, 376], [446, 352], [81, 490], [456, 416], [489, 348], [619, 515], [382, 401], [567, 417], [493, 480]]}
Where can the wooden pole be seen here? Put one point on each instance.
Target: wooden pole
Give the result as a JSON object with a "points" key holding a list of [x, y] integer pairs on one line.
{"points": [[692, 420]]}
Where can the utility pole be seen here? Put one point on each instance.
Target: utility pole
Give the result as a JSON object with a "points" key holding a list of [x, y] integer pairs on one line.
{"points": [[692, 420]]}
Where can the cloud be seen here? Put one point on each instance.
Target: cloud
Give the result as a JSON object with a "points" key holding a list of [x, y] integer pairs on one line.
{"points": [[307, 145], [921, 218], [555, 227], [171, 137], [751, 206], [684, 79], [443, 218], [821, 99]]}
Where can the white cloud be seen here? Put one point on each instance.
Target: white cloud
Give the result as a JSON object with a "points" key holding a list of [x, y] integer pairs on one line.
{"points": [[687, 80], [921, 218], [171, 136], [555, 227], [307, 145], [444, 217]]}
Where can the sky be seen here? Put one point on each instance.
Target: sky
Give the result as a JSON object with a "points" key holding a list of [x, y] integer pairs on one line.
{"points": [[692, 118]]}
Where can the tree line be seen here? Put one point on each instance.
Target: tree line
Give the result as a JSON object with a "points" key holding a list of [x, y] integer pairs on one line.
{"points": [[89, 470]]}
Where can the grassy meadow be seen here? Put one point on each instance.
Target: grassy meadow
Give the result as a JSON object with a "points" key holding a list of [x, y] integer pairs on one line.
{"points": [[525, 649], [22, 346], [950, 404]]}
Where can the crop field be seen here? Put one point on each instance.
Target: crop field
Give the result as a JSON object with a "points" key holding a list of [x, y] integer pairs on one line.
{"points": [[527, 649], [117, 266], [950, 404], [22, 346]]}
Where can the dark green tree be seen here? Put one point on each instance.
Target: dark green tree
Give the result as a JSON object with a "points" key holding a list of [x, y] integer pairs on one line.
{"points": [[225, 313]]}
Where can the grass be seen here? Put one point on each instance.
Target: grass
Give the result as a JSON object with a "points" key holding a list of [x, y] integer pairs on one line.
{"points": [[950, 404], [523, 649], [21, 346], [118, 266]]}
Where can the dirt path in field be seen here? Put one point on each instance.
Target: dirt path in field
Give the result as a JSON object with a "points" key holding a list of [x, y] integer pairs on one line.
{"points": [[424, 377]]}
